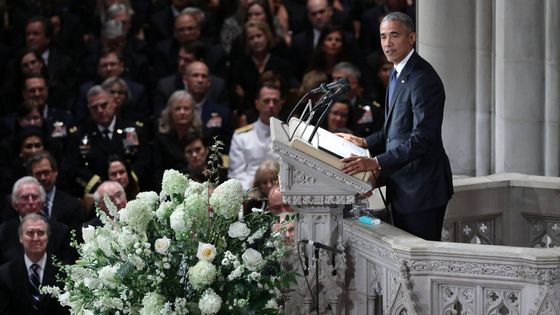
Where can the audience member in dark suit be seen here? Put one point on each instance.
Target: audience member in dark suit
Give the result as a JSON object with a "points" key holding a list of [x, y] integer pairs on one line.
{"points": [[368, 115], [216, 119], [245, 71], [177, 121], [110, 64], [28, 196], [162, 22], [186, 30], [409, 151], [102, 135], [23, 276], [39, 34], [115, 192], [166, 86], [59, 206]]}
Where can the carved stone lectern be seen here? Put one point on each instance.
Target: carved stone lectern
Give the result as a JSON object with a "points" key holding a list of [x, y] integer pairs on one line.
{"points": [[317, 189]]}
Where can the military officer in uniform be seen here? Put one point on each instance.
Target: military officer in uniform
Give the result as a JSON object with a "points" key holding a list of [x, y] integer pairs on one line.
{"points": [[252, 144], [102, 135]]}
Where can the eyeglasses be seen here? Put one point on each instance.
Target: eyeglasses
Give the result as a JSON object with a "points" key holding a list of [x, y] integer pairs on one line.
{"points": [[118, 92]]}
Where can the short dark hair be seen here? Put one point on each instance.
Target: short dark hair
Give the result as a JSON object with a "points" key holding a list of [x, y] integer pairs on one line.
{"points": [[38, 157], [47, 26]]}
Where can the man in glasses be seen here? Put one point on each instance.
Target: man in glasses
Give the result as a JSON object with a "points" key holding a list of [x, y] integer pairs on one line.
{"points": [[28, 196], [101, 135]]}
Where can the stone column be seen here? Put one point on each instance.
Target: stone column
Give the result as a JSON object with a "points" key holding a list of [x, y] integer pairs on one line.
{"points": [[552, 89], [483, 92], [520, 86], [446, 38]]}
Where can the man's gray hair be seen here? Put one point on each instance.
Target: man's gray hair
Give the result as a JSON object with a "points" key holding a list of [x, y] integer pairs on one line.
{"points": [[117, 8], [111, 81], [348, 67], [100, 191], [400, 17], [34, 217], [96, 90], [197, 13], [27, 180]]}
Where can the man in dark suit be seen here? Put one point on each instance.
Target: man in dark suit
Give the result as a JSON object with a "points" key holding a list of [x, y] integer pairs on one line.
{"points": [[21, 278], [166, 86], [59, 206], [409, 151], [216, 119], [28, 196]]}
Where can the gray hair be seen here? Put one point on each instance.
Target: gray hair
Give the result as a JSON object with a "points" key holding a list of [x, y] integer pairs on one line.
{"points": [[112, 29], [166, 123], [110, 81], [400, 17], [96, 90], [27, 180], [102, 189], [117, 8], [195, 12], [34, 217], [348, 67]]}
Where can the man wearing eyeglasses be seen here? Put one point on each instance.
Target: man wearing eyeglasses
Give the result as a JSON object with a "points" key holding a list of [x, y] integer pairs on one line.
{"points": [[28, 196], [101, 135], [252, 144], [59, 205]]}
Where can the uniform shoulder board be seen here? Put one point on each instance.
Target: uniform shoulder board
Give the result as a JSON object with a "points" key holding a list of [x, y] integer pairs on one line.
{"points": [[139, 124], [73, 129], [244, 129], [376, 104]]}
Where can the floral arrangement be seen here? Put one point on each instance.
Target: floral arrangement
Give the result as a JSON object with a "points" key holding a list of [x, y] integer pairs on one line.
{"points": [[188, 250]]}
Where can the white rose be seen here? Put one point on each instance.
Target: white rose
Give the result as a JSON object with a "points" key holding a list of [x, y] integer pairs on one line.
{"points": [[161, 245], [239, 230], [88, 233], [206, 251], [252, 259]]}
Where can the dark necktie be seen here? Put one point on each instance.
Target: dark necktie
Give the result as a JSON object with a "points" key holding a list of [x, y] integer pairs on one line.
{"points": [[392, 85], [35, 283], [106, 134], [46, 207]]}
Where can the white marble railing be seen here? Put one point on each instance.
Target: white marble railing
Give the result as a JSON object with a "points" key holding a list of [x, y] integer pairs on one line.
{"points": [[392, 272]]}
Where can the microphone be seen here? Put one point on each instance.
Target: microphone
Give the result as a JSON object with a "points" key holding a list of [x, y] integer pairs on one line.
{"points": [[322, 246], [337, 84]]}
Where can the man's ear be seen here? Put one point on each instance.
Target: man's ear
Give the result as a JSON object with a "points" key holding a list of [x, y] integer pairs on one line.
{"points": [[412, 38]]}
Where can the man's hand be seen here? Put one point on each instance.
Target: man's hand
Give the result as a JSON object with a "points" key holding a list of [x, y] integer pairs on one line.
{"points": [[357, 164], [361, 142]]}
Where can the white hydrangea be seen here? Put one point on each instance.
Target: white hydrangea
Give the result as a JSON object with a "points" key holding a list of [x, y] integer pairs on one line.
{"points": [[173, 184], [149, 198], [196, 188], [164, 210], [272, 304], [137, 214], [152, 303], [196, 210], [236, 273], [107, 273], [210, 303], [202, 274], [177, 221], [126, 237], [227, 199], [104, 244]]}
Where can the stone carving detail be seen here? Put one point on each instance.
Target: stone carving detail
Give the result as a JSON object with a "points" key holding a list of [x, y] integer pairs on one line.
{"points": [[448, 232], [303, 179], [477, 231], [375, 279], [544, 232], [497, 301], [485, 269], [401, 300], [300, 159], [456, 300], [318, 200], [364, 244], [547, 303]]}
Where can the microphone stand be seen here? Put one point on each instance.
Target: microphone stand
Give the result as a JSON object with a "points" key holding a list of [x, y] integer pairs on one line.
{"points": [[317, 279]]}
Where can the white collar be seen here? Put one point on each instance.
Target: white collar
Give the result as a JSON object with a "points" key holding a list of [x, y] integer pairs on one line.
{"points": [[400, 66], [42, 263], [111, 126], [45, 55]]}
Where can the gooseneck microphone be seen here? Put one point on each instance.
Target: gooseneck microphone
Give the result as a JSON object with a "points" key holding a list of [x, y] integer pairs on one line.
{"points": [[322, 246], [336, 84]]}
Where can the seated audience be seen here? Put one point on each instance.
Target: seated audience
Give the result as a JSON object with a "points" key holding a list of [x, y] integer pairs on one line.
{"points": [[119, 171], [197, 155]]}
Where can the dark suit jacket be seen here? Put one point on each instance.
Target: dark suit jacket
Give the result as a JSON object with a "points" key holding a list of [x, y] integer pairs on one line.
{"points": [[409, 148], [59, 241], [224, 129], [67, 209], [15, 289]]}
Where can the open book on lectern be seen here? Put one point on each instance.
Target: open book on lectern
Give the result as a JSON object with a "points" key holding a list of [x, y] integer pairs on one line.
{"points": [[325, 146]]}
